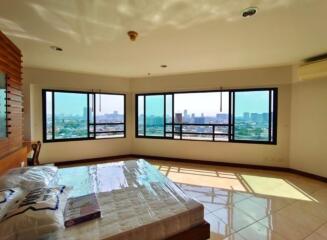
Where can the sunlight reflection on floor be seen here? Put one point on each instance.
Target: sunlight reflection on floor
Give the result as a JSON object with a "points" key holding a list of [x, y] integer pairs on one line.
{"points": [[249, 204]]}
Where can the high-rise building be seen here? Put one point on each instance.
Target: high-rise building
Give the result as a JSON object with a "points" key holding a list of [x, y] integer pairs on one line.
{"points": [[222, 117], [199, 120], [255, 117], [246, 116], [178, 118], [185, 113]]}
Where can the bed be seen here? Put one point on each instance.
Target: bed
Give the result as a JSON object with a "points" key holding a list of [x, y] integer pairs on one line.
{"points": [[137, 202]]}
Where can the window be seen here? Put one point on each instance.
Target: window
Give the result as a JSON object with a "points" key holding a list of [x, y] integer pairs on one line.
{"points": [[154, 115], [3, 106], [227, 115], [252, 115], [82, 115], [109, 116]]}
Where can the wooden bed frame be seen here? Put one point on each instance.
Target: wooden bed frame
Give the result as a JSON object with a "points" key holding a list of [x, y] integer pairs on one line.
{"points": [[199, 232]]}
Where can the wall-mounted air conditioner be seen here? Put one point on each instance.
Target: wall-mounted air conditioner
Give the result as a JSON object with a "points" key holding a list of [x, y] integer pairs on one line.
{"points": [[315, 67]]}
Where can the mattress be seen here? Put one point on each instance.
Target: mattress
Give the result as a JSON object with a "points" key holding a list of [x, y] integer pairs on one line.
{"points": [[137, 202]]}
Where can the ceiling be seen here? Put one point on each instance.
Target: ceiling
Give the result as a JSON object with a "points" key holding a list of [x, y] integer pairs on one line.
{"points": [[187, 35]]}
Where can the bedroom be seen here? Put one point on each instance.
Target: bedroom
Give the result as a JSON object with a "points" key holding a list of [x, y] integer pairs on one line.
{"points": [[226, 99]]}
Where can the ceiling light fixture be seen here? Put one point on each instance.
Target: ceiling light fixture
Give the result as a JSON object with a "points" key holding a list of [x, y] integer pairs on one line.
{"points": [[249, 12], [132, 35], [163, 66], [56, 48]]}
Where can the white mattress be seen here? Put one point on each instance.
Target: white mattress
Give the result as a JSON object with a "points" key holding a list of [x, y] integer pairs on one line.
{"points": [[136, 200]]}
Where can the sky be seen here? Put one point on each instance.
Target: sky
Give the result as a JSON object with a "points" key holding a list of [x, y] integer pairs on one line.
{"points": [[68, 103], [252, 102], [209, 103]]}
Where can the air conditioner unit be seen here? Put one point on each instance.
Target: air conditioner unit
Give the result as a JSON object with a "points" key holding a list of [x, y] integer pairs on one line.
{"points": [[315, 67]]}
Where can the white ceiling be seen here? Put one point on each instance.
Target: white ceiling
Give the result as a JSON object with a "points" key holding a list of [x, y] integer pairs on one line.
{"points": [[187, 35]]}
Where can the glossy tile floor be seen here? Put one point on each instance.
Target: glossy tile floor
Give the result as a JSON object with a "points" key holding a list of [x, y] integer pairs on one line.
{"points": [[247, 204]]}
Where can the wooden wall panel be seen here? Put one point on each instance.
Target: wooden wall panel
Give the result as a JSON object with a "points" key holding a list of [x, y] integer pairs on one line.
{"points": [[11, 65], [13, 160]]}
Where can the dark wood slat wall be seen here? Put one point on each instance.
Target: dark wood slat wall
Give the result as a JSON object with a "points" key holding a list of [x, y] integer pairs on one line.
{"points": [[11, 65]]}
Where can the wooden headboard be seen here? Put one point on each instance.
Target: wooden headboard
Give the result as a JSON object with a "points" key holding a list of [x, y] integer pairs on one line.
{"points": [[11, 65]]}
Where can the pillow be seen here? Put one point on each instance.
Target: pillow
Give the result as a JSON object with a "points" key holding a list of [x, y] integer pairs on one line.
{"points": [[29, 178], [39, 212], [8, 198]]}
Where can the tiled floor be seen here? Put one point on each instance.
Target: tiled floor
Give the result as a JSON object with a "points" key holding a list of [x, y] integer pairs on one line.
{"points": [[246, 204]]}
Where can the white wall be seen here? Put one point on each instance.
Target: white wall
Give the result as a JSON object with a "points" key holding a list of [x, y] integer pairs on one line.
{"points": [[37, 79], [308, 142], [272, 155]]}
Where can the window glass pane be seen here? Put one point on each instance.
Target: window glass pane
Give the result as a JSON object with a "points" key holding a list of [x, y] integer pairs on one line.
{"points": [[48, 96], [154, 115], [169, 128], [221, 129], [169, 108], [177, 128], [109, 128], [91, 108], [201, 137], [221, 138], [252, 115], [197, 129], [110, 135], [109, 108], [70, 115], [3, 108], [202, 108], [140, 117]]}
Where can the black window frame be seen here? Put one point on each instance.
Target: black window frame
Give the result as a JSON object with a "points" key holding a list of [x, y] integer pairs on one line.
{"points": [[44, 120], [273, 118]]}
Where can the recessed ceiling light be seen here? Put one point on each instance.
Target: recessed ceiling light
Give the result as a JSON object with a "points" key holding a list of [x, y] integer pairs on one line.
{"points": [[56, 48], [249, 12], [163, 66], [149, 74]]}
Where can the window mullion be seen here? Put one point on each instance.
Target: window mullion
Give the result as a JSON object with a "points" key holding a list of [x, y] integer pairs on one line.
{"points": [[53, 115], [269, 118], [144, 116], [88, 116], [164, 118], [94, 116]]}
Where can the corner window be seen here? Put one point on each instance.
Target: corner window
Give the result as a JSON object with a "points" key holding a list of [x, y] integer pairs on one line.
{"points": [[228, 115], [71, 116]]}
